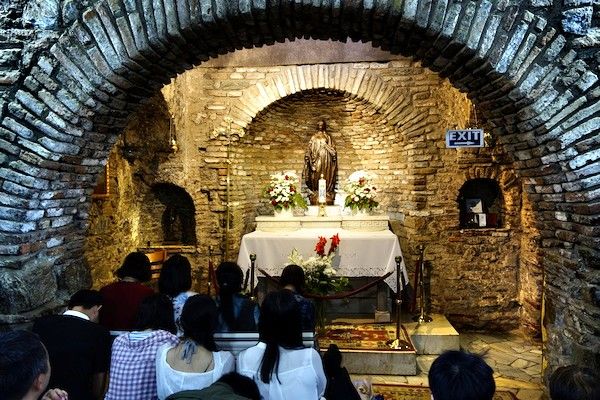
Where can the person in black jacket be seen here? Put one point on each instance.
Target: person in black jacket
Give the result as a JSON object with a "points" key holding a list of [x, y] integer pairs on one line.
{"points": [[237, 313], [339, 385], [78, 347], [292, 278]]}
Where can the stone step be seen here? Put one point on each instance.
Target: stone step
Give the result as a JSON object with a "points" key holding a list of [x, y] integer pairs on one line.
{"points": [[390, 362], [433, 337], [365, 349]]}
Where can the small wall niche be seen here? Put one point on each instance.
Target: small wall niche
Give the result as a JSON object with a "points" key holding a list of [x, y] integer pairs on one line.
{"points": [[481, 204], [178, 215]]}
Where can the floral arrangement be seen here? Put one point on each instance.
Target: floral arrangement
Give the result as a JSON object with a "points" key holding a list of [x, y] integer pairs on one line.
{"points": [[360, 192], [283, 191], [320, 276]]}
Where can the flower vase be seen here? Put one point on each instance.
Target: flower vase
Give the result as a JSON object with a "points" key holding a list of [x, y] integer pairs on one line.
{"points": [[283, 213], [360, 212]]}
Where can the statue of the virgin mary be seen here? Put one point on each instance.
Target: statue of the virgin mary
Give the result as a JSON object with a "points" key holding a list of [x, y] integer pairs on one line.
{"points": [[320, 159]]}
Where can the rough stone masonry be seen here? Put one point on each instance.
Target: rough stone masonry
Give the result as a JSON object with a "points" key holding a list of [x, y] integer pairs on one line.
{"points": [[72, 72]]}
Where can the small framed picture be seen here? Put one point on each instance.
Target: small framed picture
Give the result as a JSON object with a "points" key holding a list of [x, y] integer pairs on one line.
{"points": [[474, 206], [482, 220]]}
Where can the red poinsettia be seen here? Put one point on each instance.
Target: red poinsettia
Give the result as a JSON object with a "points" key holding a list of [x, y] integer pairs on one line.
{"points": [[320, 247], [335, 241]]}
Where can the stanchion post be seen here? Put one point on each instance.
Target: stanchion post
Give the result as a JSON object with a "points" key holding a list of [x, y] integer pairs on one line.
{"points": [[210, 270], [252, 266], [398, 343], [398, 298], [422, 317]]}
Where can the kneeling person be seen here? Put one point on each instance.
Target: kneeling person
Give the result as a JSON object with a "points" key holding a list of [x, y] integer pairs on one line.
{"points": [[24, 368], [78, 347]]}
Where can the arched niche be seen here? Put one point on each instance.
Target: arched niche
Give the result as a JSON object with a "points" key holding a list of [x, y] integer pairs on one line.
{"points": [[481, 204], [170, 214]]}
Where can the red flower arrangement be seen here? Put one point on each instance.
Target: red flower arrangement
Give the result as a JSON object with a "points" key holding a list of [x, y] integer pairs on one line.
{"points": [[320, 275], [320, 247]]}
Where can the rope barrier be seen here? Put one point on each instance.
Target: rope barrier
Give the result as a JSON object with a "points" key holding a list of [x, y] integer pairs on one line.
{"points": [[340, 295]]}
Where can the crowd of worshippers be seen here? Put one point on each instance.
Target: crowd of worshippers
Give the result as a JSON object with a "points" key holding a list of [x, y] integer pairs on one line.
{"points": [[126, 342]]}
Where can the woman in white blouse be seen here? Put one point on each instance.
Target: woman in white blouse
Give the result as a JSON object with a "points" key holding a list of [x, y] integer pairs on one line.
{"points": [[279, 364], [194, 363]]}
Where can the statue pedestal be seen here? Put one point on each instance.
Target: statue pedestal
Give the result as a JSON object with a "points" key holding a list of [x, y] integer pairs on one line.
{"points": [[333, 219]]}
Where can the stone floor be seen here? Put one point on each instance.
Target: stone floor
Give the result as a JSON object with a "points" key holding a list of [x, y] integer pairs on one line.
{"points": [[516, 360]]}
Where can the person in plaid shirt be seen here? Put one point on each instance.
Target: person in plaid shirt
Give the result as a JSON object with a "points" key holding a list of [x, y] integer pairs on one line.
{"points": [[133, 361]]}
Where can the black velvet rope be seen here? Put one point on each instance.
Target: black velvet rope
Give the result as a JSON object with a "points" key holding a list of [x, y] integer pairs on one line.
{"points": [[340, 295]]}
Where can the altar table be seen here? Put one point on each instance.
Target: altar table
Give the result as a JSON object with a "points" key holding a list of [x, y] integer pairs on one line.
{"points": [[360, 254]]}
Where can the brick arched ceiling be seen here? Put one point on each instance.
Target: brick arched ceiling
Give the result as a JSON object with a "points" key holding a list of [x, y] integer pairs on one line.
{"points": [[362, 84], [66, 109]]}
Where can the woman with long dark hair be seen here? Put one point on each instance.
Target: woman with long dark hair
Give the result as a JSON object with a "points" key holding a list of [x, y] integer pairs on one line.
{"points": [[175, 281], [237, 313], [194, 363], [292, 279], [279, 363]]}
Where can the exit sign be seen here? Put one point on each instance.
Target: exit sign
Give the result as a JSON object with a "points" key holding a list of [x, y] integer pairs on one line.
{"points": [[464, 138]]}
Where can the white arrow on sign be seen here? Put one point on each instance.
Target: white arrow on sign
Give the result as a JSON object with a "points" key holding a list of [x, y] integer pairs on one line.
{"points": [[464, 138]]}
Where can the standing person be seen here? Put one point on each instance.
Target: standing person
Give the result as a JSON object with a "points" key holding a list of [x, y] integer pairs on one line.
{"points": [[292, 278], [237, 313], [279, 363], [320, 160], [78, 348], [133, 361], [25, 368], [176, 281], [122, 298], [459, 375], [194, 363]]}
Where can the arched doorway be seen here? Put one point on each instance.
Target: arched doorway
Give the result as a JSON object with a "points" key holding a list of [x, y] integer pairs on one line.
{"points": [[62, 118]]}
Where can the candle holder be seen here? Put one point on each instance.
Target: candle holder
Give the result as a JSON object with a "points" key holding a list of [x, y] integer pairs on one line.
{"points": [[322, 209]]}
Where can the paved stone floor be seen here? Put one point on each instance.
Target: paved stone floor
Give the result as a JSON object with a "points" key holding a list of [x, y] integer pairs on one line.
{"points": [[516, 360]]}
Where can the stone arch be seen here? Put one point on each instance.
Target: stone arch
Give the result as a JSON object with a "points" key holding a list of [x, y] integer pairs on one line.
{"points": [[61, 118], [505, 178], [362, 84], [317, 104]]}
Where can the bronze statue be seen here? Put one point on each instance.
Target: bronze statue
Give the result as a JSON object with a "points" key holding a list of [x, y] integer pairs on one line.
{"points": [[320, 159]]}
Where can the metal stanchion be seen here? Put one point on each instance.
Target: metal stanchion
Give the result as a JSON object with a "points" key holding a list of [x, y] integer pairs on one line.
{"points": [[422, 317], [210, 270], [398, 343], [252, 266]]}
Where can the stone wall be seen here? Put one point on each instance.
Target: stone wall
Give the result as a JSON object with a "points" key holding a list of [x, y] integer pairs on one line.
{"points": [[73, 71], [474, 273]]}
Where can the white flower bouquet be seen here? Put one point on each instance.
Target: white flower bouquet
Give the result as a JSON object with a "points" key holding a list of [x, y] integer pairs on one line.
{"points": [[283, 191], [360, 191], [320, 275]]}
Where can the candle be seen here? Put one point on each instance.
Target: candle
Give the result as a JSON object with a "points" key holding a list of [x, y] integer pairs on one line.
{"points": [[322, 189]]}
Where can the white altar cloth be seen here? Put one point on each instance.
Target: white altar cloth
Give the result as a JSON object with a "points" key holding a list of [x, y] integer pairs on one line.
{"points": [[361, 254]]}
